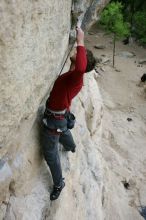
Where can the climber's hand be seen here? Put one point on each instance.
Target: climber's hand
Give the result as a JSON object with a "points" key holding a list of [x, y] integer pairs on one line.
{"points": [[79, 36]]}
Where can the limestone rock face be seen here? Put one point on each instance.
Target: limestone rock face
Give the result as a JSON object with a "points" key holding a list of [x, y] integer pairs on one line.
{"points": [[82, 196], [34, 40], [89, 16]]}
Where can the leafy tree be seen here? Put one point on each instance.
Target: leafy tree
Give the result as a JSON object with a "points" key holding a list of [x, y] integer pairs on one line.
{"points": [[140, 25], [113, 21], [135, 13], [131, 7]]}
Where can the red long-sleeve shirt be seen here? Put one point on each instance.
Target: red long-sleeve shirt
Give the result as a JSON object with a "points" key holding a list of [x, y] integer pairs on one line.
{"points": [[68, 85]]}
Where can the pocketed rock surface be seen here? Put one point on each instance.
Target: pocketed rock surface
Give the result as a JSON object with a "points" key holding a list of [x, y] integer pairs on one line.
{"points": [[106, 177], [34, 42], [83, 171]]}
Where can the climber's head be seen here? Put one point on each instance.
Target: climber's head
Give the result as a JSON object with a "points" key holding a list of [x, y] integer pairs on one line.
{"points": [[91, 62]]}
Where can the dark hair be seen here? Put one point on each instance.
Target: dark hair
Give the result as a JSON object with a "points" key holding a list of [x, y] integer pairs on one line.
{"points": [[91, 62], [143, 78]]}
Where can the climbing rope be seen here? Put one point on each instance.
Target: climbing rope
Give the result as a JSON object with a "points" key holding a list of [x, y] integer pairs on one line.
{"points": [[67, 57]]}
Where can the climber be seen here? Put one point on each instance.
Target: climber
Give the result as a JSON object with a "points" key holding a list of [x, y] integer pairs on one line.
{"points": [[58, 120]]}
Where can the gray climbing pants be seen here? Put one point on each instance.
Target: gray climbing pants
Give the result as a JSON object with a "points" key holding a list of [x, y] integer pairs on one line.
{"points": [[50, 142]]}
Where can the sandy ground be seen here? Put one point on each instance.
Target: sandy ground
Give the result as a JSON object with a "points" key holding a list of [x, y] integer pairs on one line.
{"points": [[123, 142]]}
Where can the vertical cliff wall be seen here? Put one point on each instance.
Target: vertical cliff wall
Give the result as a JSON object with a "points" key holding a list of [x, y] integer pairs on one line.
{"points": [[34, 40]]}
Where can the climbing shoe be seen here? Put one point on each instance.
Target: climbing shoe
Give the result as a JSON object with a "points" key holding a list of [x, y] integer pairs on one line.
{"points": [[56, 191], [73, 150]]}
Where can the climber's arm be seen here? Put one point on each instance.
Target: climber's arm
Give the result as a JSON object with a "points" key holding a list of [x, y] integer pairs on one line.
{"points": [[81, 59], [79, 37]]}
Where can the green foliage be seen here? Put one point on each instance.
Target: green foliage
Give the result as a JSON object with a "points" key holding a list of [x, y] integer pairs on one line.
{"points": [[134, 5], [134, 12], [112, 20], [140, 25]]}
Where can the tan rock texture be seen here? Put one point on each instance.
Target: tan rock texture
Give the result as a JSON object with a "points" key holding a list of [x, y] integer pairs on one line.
{"points": [[82, 196], [34, 40]]}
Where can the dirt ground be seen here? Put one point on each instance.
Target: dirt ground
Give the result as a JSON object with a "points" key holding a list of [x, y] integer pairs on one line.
{"points": [[124, 120]]}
